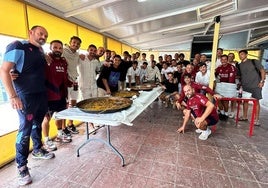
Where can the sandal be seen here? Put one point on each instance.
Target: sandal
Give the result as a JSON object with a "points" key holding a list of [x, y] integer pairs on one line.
{"points": [[242, 119]]}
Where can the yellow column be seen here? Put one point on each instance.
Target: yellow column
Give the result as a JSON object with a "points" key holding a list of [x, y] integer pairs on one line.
{"points": [[214, 50]]}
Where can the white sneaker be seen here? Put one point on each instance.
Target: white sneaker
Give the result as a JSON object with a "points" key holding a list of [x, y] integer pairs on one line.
{"points": [[49, 145], [198, 131], [231, 115], [204, 135]]}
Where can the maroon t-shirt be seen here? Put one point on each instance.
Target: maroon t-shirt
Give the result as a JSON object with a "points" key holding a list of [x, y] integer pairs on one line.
{"points": [[227, 73], [197, 104], [56, 79], [197, 88]]}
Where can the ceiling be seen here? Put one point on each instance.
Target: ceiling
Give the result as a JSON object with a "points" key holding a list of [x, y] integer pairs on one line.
{"points": [[167, 24]]}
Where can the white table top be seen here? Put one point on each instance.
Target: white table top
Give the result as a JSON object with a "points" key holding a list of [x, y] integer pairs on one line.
{"points": [[117, 118]]}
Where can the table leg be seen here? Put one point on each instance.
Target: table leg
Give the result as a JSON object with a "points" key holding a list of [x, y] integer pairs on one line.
{"points": [[106, 142], [253, 114], [237, 112]]}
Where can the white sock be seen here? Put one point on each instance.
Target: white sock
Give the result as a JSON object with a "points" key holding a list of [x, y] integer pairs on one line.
{"points": [[222, 112], [226, 113], [46, 139]]}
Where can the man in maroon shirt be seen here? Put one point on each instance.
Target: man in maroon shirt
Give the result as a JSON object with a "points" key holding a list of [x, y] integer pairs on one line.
{"points": [[202, 110], [199, 88], [57, 83], [225, 73]]}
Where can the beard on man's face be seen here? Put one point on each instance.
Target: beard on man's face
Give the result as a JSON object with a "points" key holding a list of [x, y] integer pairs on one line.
{"points": [[56, 54]]}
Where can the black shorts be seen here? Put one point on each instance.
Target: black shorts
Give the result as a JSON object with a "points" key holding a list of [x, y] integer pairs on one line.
{"points": [[256, 92], [56, 106], [211, 121]]}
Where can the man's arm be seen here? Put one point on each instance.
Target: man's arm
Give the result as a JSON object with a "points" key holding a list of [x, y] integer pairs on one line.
{"points": [[263, 76], [158, 75], [187, 116], [209, 108], [106, 85], [7, 82]]}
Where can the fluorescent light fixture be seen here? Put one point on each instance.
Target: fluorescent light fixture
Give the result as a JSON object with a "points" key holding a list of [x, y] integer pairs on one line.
{"points": [[140, 1]]}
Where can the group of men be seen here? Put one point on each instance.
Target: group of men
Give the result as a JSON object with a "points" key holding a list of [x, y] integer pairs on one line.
{"points": [[203, 112], [39, 84]]}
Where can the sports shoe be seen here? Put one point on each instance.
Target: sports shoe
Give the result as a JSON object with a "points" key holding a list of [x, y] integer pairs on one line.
{"points": [[66, 132], [73, 129], [49, 146], [43, 154], [198, 131], [204, 135], [257, 123], [63, 138], [223, 117], [24, 175]]}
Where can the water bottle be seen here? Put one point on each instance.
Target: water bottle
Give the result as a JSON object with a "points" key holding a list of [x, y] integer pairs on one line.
{"points": [[240, 92], [75, 85]]}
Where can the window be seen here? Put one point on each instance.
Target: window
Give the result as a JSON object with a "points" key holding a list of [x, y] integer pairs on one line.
{"points": [[5, 40]]}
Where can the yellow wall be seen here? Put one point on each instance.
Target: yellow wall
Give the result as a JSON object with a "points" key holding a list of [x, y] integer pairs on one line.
{"points": [[7, 148], [126, 48], [89, 37], [56, 27], [13, 19], [252, 54], [7, 143], [114, 46], [134, 50]]}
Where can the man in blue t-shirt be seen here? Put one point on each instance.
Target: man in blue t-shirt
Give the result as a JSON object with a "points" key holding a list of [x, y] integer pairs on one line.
{"points": [[27, 95], [109, 77]]}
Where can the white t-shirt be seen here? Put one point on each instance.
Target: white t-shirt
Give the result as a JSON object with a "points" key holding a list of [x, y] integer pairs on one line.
{"points": [[133, 73], [72, 59], [165, 71], [202, 79]]}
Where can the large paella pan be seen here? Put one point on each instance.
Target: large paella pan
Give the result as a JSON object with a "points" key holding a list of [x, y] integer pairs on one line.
{"points": [[104, 104], [125, 94], [143, 87]]}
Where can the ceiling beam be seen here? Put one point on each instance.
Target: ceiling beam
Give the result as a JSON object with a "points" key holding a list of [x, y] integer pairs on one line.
{"points": [[158, 15], [245, 13], [246, 22], [180, 26], [169, 44], [165, 29], [92, 5], [167, 38]]}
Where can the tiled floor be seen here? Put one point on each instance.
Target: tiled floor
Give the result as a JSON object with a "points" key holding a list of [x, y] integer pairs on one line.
{"points": [[157, 156]]}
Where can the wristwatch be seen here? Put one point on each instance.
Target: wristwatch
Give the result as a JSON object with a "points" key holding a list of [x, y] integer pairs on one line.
{"points": [[262, 81]]}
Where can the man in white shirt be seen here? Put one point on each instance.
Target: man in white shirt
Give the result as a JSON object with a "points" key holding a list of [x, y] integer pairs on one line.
{"points": [[165, 70], [153, 73], [144, 73], [70, 53], [133, 75], [203, 75], [87, 69]]}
